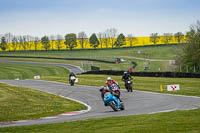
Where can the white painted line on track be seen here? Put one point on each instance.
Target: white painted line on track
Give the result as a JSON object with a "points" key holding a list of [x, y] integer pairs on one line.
{"points": [[169, 110]]}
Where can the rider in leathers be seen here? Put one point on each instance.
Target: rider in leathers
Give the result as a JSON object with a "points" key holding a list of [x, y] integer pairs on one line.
{"points": [[71, 74], [126, 76]]}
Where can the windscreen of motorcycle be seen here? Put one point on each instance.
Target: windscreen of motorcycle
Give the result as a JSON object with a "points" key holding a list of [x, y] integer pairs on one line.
{"points": [[106, 94]]}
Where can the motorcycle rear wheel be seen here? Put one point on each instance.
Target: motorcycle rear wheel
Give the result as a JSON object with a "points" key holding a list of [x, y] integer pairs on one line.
{"points": [[122, 106], [114, 107]]}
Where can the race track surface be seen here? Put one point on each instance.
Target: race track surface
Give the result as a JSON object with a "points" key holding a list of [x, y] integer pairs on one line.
{"points": [[138, 102]]}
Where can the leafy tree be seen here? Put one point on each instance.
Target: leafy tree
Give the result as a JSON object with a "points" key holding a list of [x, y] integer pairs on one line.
{"points": [[179, 37], [154, 38], [132, 40], [121, 40], [3, 44], [94, 42], [70, 41], [189, 59], [45, 42]]}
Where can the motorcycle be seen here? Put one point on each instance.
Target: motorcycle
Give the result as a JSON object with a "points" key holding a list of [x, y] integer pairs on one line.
{"points": [[128, 85], [115, 88], [113, 101], [72, 80]]}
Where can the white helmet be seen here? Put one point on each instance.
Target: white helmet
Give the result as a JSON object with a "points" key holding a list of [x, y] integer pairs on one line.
{"points": [[125, 72], [109, 78]]}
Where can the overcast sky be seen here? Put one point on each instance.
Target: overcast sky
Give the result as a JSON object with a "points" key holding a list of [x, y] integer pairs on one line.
{"points": [[138, 17]]}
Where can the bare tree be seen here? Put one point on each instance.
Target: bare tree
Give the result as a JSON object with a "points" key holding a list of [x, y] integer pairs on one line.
{"points": [[8, 37], [112, 33], [23, 42], [154, 38], [132, 40], [15, 43], [105, 39], [59, 39], [29, 41], [52, 39], [36, 42], [82, 37], [167, 37], [100, 36]]}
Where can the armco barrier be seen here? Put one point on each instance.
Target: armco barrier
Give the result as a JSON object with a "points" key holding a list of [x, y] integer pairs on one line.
{"points": [[148, 74]]}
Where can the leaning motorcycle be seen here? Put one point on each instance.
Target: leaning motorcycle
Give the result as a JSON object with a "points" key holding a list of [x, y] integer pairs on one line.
{"points": [[72, 80], [115, 89], [113, 101], [128, 85]]}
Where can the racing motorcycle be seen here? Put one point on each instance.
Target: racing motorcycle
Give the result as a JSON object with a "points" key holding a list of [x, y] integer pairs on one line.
{"points": [[115, 89], [128, 85], [113, 101], [72, 80]]}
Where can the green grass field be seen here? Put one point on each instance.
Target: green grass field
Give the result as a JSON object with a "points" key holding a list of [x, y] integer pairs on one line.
{"points": [[152, 52], [171, 122], [19, 103], [128, 54], [86, 65]]}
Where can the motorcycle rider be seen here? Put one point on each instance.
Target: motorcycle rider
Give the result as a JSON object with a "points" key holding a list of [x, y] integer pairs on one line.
{"points": [[71, 74], [108, 83], [125, 77], [103, 90]]}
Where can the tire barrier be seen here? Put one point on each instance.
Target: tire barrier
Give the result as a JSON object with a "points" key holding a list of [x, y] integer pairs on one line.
{"points": [[148, 74]]}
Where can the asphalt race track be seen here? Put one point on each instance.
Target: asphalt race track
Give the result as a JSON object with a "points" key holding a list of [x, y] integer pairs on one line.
{"points": [[138, 102]]}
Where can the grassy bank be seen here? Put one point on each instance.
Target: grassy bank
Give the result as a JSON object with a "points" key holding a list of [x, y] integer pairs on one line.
{"points": [[128, 54], [157, 52], [19, 103], [27, 71], [86, 65]]}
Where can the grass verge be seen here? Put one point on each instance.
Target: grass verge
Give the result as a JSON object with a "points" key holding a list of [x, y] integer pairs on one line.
{"points": [[170, 122], [19, 103], [28, 71], [188, 86]]}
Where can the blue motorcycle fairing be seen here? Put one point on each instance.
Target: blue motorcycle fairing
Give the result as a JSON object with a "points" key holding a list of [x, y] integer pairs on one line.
{"points": [[110, 98]]}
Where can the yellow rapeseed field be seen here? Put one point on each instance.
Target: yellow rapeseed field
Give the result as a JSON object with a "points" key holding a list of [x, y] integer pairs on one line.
{"points": [[140, 41]]}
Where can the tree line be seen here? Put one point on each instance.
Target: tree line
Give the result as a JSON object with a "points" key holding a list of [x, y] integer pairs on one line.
{"points": [[108, 37]]}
